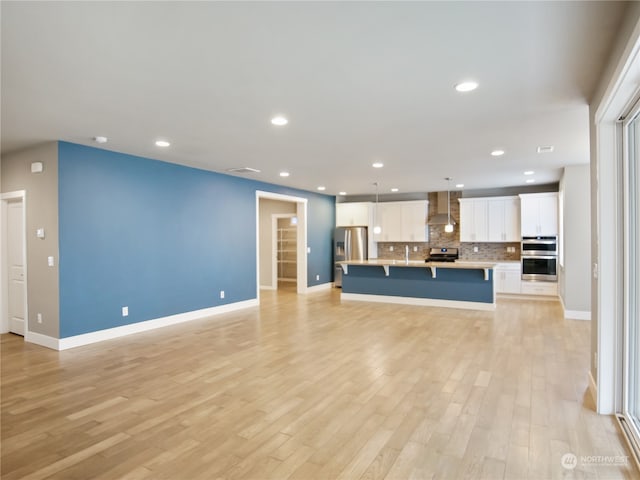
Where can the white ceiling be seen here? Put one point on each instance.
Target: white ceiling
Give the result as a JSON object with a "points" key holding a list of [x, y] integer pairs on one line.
{"points": [[360, 82]]}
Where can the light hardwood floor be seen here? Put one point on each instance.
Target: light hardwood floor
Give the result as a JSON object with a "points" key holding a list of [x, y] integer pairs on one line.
{"points": [[307, 387]]}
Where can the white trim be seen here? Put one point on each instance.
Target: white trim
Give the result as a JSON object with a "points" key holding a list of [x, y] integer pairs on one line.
{"points": [[4, 284], [618, 94], [577, 315], [42, 340], [301, 213], [124, 330], [319, 288], [267, 287], [423, 302], [593, 388], [574, 314]]}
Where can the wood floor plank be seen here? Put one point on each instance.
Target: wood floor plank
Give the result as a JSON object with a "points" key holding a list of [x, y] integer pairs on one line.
{"points": [[308, 387]]}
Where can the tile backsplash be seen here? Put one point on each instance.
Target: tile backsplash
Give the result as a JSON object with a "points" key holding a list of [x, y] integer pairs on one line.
{"points": [[490, 251], [486, 251]]}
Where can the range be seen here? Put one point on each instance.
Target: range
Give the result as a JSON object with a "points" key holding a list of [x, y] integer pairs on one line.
{"points": [[442, 254]]}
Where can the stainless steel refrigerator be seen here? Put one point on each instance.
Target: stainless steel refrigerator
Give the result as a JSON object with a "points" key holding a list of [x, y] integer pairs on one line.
{"points": [[349, 243]]}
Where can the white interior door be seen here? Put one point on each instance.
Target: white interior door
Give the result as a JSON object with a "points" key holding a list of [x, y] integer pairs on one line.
{"points": [[15, 267]]}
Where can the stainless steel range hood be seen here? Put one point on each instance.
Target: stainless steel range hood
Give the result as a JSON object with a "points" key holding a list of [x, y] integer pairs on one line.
{"points": [[441, 217]]}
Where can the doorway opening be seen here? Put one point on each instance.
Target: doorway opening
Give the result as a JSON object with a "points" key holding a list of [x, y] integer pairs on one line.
{"points": [[281, 242], [13, 263], [284, 249]]}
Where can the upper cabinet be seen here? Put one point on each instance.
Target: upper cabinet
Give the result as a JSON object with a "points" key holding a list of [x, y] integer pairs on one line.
{"points": [[474, 225], [504, 219], [402, 221], [356, 214], [539, 214], [491, 219]]}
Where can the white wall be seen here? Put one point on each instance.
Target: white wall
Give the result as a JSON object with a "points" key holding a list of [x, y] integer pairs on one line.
{"points": [[267, 209], [575, 281], [615, 89]]}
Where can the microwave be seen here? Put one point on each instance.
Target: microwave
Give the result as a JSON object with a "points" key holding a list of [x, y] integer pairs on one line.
{"points": [[541, 245]]}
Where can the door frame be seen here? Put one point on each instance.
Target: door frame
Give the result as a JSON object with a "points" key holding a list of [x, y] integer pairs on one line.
{"points": [[274, 245], [301, 213], [5, 198]]}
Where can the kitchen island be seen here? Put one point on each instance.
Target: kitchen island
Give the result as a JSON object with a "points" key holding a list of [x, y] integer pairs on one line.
{"points": [[440, 284]]}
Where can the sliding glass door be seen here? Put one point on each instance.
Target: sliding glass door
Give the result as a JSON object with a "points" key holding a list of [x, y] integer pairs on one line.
{"points": [[631, 273]]}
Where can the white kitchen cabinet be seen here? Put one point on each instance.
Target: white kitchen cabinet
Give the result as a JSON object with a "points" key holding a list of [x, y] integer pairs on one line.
{"points": [[503, 219], [354, 214], [473, 220], [539, 288], [507, 278], [539, 214], [403, 221], [491, 219], [390, 221]]}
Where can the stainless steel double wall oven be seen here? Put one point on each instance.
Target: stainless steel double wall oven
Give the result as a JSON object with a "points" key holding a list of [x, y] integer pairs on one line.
{"points": [[540, 258]]}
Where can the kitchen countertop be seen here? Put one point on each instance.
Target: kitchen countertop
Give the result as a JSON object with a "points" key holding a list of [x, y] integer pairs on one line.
{"points": [[421, 264]]}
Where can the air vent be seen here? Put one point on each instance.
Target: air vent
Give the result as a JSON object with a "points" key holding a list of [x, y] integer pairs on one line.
{"points": [[545, 149], [243, 170]]}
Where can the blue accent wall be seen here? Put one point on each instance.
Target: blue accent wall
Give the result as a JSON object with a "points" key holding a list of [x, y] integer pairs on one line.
{"points": [[162, 238]]}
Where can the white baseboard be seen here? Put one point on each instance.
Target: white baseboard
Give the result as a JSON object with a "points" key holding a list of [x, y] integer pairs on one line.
{"points": [[424, 302], [42, 340], [268, 287], [116, 332], [593, 390], [574, 314], [577, 315], [319, 288]]}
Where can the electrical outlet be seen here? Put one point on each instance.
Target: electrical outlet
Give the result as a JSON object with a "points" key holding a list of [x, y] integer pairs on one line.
{"points": [[221, 293], [317, 277], [125, 311], [475, 249], [415, 248], [391, 248], [39, 317]]}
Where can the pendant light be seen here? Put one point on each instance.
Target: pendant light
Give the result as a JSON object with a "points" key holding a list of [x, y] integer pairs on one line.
{"points": [[448, 227], [377, 230]]}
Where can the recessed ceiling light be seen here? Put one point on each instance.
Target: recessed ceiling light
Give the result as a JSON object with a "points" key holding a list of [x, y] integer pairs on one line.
{"points": [[342, 193], [243, 170], [545, 149], [100, 139], [529, 172], [497, 153], [394, 189], [530, 180], [322, 188], [284, 174], [466, 86], [162, 143], [377, 165], [279, 121], [459, 185]]}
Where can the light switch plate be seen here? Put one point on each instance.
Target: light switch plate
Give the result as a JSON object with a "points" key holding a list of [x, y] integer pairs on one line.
{"points": [[36, 167], [50, 261], [40, 233]]}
